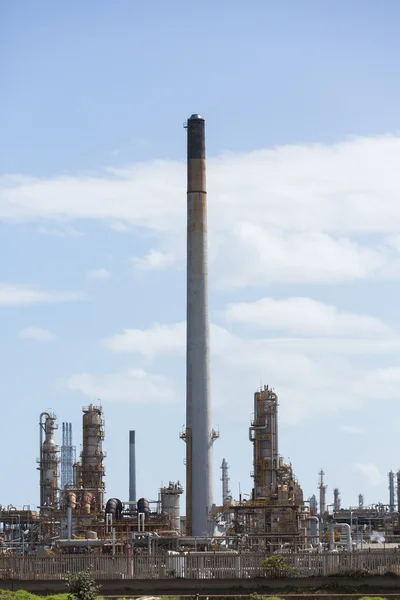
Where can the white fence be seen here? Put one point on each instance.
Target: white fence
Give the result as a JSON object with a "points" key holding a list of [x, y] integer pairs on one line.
{"points": [[198, 566]]}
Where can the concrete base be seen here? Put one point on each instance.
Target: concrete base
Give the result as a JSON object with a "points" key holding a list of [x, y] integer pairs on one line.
{"points": [[221, 587]]}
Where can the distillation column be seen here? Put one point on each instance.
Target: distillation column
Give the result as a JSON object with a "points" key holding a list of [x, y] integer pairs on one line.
{"points": [[391, 492], [48, 462], [398, 490], [92, 469], [336, 500], [226, 494], [263, 432], [322, 493], [199, 435]]}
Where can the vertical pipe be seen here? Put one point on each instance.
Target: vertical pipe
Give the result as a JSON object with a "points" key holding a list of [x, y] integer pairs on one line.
{"points": [[398, 490], [391, 491], [69, 522], [199, 488], [132, 467]]}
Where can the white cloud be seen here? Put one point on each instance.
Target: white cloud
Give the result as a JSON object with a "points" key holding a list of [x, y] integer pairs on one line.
{"points": [[306, 214], [144, 195], [352, 430], [134, 386], [61, 231], [311, 376], [154, 260], [370, 472], [303, 316], [37, 334], [159, 339], [120, 227], [260, 256], [19, 295], [98, 274]]}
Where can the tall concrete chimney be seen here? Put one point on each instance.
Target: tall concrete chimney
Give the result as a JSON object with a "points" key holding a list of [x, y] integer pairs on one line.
{"points": [[199, 435], [132, 468]]}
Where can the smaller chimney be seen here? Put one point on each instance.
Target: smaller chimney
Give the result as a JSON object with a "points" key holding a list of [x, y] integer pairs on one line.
{"points": [[132, 467]]}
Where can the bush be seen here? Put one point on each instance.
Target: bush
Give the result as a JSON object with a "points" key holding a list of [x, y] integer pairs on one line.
{"points": [[255, 596], [372, 598], [82, 586], [276, 566]]}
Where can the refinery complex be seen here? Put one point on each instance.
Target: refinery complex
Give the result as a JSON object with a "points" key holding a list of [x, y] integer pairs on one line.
{"points": [[76, 514]]}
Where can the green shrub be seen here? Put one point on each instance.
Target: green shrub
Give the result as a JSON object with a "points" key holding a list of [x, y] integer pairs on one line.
{"points": [[82, 586], [255, 596], [276, 566]]}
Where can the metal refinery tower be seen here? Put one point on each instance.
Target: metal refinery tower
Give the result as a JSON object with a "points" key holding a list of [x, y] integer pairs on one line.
{"points": [[199, 434]]}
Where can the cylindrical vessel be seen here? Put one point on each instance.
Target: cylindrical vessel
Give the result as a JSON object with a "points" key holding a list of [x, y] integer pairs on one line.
{"points": [[71, 499], [199, 436], [114, 508], [143, 507], [91, 535], [87, 499], [170, 504]]}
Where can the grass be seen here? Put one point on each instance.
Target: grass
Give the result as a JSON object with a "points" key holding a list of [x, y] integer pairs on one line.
{"points": [[23, 595]]}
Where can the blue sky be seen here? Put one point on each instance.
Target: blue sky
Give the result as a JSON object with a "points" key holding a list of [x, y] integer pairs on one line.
{"points": [[301, 102]]}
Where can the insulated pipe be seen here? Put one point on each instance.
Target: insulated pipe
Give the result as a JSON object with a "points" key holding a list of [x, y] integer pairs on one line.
{"points": [[316, 519], [259, 428], [331, 537], [349, 541], [348, 536]]}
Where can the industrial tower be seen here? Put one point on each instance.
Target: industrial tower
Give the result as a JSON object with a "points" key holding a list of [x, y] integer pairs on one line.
{"points": [[199, 434]]}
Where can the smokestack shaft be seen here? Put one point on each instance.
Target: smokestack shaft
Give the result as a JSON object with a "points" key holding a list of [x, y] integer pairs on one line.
{"points": [[132, 467], [199, 439]]}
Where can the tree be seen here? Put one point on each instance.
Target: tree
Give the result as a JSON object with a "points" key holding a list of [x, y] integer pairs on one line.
{"points": [[82, 586]]}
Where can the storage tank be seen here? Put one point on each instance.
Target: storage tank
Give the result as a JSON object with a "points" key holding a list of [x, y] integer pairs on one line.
{"points": [[170, 504], [143, 507]]}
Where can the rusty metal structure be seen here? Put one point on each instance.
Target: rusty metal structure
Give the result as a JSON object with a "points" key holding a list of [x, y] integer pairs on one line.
{"points": [[276, 513], [263, 433], [48, 462], [92, 457]]}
